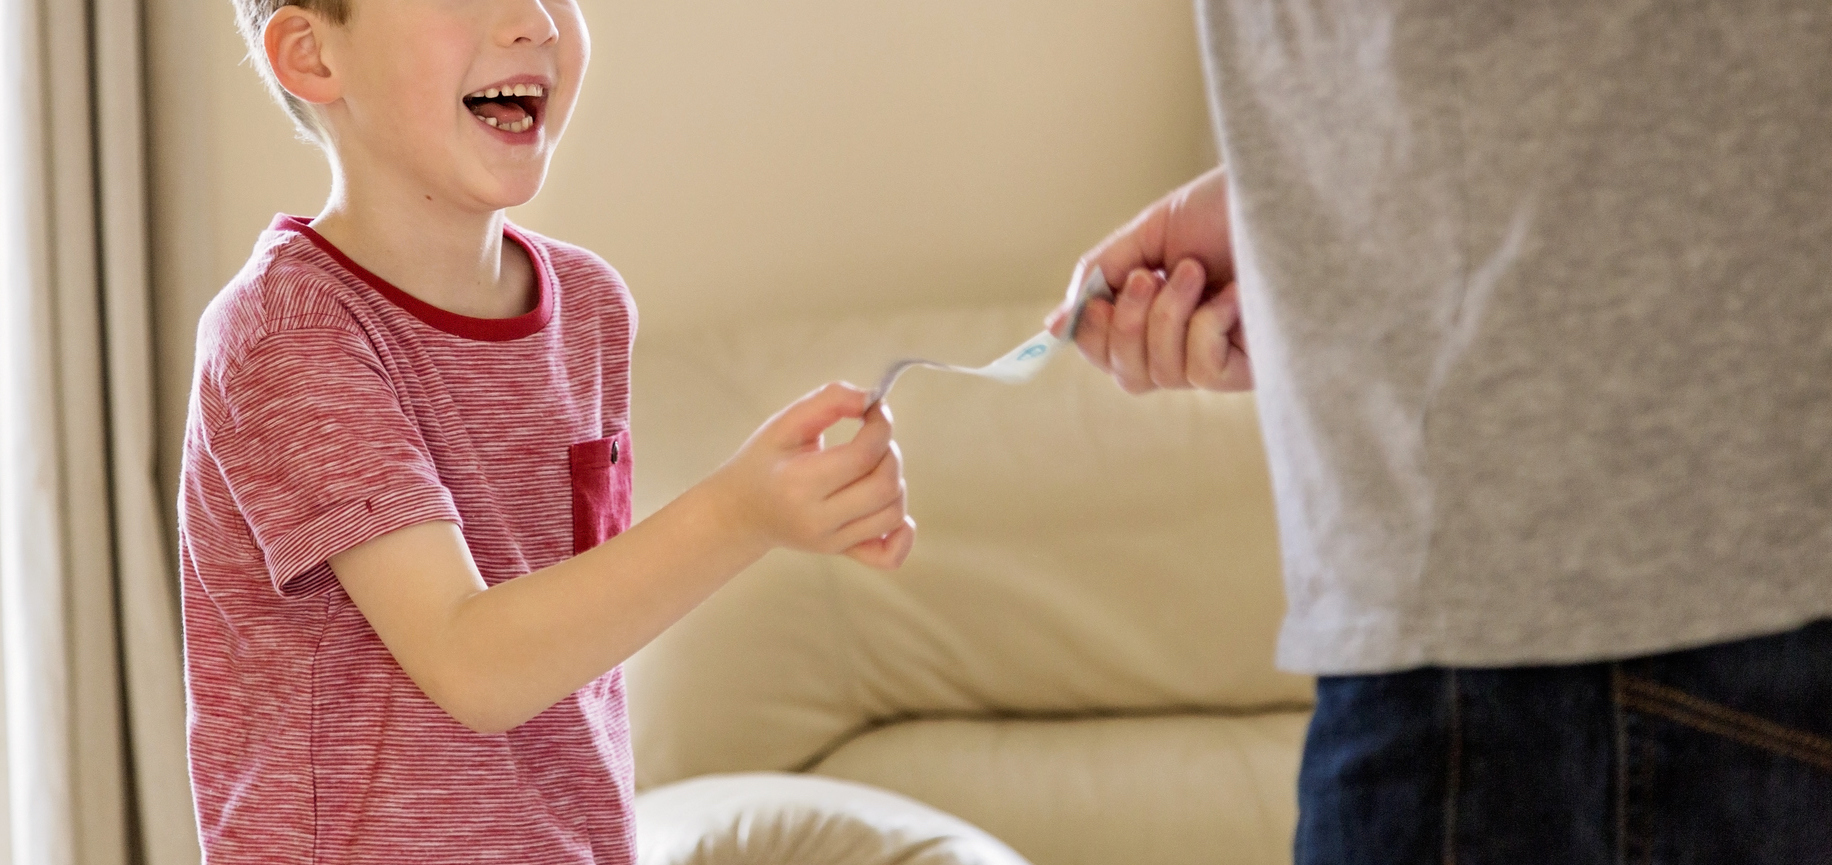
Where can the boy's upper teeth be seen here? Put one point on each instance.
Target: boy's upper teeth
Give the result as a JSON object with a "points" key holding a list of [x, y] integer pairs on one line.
{"points": [[511, 90]]}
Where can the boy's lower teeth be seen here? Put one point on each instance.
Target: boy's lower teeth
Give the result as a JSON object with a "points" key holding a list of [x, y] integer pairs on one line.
{"points": [[522, 125]]}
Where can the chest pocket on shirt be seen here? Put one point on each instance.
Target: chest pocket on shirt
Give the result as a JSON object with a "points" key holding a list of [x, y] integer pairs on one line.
{"points": [[600, 490]]}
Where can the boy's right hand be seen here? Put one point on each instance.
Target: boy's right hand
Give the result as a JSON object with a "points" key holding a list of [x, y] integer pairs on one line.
{"points": [[792, 491]]}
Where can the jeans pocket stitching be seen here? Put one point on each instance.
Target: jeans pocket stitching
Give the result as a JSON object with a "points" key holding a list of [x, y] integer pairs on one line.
{"points": [[1453, 781], [1704, 715], [1634, 781]]}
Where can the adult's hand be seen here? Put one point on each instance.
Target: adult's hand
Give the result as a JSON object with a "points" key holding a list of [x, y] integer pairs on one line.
{"points": [[1175, 322]]}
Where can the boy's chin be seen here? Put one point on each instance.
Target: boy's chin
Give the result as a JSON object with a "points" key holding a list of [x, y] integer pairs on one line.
{"points": [[505, 193]]}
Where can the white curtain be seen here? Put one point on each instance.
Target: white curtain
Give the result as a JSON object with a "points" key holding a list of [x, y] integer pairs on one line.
{"points": [[92, 731]]}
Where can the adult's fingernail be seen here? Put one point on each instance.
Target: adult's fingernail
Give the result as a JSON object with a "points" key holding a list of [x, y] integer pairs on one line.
{"points": [[1187, 275]]}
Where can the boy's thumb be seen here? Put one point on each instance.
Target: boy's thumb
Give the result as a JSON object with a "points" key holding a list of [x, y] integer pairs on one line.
{"points": [[802, 423]]}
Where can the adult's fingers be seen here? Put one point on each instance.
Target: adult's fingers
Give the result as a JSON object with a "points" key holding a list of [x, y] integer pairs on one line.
{"points": [[1126, 336], [886, 553], [1190, 222], [1217, 359], [799, 426], [1137, 245], [1091, 337], [1167, 326], [1240, 360], [1058, 319]]}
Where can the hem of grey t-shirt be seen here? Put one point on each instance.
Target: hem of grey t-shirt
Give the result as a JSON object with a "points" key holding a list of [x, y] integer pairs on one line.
{"points": [[1390, 645]]}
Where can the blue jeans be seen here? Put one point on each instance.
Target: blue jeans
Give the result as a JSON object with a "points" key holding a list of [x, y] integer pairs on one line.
{"points": [[1719, 755]]}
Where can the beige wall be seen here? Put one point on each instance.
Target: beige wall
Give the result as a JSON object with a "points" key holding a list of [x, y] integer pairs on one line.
{"points": [[730, 157]]}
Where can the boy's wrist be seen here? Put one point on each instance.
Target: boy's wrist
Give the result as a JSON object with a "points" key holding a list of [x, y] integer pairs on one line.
{"points": [[725, 512]]}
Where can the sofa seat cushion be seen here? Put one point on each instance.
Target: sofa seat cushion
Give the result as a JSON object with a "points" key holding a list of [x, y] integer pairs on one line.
{"points": [[1164, 790], [770, 818], [1082, 552]]}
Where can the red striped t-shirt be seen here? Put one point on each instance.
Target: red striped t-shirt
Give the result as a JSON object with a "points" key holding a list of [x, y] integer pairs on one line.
{"points": [[330, 407]]}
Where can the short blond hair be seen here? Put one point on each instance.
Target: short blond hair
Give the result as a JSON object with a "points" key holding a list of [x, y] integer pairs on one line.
{"points": [[251, 18]]}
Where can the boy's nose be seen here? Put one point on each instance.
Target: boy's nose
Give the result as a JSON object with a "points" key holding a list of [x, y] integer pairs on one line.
{"points": [[526, 22]]}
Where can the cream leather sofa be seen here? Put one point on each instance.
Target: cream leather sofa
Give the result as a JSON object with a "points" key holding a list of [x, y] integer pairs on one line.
{"points": [[1076, 658]]}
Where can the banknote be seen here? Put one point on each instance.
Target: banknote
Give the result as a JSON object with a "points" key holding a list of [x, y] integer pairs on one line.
{"points": [[1019, 365]]}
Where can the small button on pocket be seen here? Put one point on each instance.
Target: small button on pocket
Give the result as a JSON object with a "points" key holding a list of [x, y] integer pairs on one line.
{"points": [[600, 490]]}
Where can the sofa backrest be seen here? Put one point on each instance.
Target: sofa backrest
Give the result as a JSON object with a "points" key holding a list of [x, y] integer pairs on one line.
{"points": [[1081, 552]]}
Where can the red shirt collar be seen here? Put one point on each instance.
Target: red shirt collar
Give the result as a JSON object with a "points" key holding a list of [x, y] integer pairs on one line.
{"points": [[486, 329]]}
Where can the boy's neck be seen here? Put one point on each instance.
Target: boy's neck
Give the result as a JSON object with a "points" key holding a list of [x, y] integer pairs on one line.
{"points": [[444, 255]]}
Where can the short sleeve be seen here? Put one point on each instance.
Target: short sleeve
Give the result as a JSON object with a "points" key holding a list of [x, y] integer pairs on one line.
{"points": [[317, 451]]}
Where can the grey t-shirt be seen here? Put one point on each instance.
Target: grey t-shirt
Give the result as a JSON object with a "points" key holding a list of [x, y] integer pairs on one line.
{"points": [[1537, 295]]}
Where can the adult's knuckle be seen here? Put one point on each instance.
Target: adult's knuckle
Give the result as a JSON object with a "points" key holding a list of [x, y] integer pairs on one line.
{"points": [[1167, 316]]}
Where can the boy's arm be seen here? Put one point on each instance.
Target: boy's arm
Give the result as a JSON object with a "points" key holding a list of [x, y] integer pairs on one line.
{"points": [[496, 657]]}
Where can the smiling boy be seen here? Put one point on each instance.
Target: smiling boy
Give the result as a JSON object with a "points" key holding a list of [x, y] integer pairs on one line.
{"points": [[409, 572]]}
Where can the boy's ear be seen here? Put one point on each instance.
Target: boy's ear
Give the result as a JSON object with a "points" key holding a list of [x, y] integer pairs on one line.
{"points": [[295, 47]]}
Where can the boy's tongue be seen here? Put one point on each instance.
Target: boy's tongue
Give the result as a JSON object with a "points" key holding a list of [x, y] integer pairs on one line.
{"points": [[504, 112]]}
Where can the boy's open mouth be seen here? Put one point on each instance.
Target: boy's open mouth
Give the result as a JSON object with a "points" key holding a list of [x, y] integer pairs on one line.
{"points": [[515, 108]]}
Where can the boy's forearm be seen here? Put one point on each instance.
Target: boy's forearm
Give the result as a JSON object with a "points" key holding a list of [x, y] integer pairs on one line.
{"points": [[495, 657], [525, 644]]}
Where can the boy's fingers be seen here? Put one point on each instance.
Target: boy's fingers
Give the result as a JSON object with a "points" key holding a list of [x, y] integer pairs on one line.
{"points": [[868, 528], [1168, 325], [801, 424], [842, 465], [879, 489], [889, 552], [1126, 337]]}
